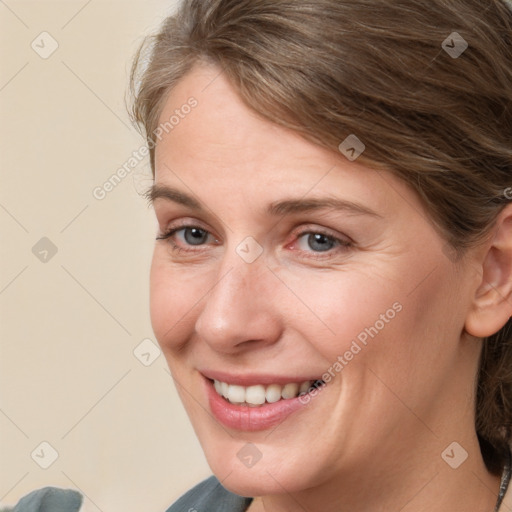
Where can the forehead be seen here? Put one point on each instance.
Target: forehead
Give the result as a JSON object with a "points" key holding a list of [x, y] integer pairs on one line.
{"points": [[223, 145], [222, 126]]}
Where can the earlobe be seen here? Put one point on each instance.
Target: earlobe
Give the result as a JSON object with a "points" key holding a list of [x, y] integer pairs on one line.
{"points": [[492, 303]]}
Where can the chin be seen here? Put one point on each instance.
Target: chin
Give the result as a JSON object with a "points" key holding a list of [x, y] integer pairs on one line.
{"points": [[252, 482], [267, 476]]}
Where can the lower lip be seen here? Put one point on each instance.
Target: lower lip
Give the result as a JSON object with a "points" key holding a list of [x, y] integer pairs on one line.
{"points": [[250, 419]]}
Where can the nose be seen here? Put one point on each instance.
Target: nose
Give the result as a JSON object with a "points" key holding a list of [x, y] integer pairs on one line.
{"points": [[239, 312]]}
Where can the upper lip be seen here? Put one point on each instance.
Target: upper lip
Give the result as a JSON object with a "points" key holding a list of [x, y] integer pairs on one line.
{"points": [[252, 379]]}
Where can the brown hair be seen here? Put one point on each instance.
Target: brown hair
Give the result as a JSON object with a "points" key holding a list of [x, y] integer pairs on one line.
{"points": [[440, 121]]}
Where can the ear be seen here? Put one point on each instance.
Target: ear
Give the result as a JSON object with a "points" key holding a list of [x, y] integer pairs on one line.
{"points": [[492, 303]]}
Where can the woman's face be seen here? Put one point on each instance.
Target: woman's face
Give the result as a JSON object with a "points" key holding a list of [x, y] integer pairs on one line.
{"points": [[281, 263]]}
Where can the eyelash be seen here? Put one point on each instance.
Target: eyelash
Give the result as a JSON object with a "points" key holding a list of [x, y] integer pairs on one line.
{"points": [[167, 236], [340, 244]]}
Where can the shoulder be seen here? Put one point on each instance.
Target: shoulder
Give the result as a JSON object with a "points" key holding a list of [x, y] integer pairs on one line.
{"points": [[210, 495], [50, 499]]}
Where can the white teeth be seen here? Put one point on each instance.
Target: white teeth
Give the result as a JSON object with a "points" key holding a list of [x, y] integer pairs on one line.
{"points": [[254, 396], [304, 387], [290, 391], [236, 394], [273, 393]]}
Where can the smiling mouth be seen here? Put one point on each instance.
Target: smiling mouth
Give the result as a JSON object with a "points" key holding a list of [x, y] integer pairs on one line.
{"points": [[259, 395]]}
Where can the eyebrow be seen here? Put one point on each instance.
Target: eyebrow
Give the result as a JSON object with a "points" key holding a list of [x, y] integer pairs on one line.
{"points": [[172, 194], [308, 205], [277, 208]]}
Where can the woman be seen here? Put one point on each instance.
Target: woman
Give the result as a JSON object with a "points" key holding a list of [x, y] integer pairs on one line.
{"points": [[329, 183], [332, 277]]}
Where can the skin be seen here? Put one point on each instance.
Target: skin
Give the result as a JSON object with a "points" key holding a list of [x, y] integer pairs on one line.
{"points": [[373, 437]]}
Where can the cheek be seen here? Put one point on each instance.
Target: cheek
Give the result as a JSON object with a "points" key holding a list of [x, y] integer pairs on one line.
{"points": [[405, 336], [349, 306], [378, 318], [173, 296]]}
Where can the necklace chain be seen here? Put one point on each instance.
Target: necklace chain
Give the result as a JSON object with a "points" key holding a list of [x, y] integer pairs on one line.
{"points": [[505, 480]]}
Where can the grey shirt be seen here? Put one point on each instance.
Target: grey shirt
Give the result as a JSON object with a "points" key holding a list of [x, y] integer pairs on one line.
{"points": [[210, 496], [50, 499]]}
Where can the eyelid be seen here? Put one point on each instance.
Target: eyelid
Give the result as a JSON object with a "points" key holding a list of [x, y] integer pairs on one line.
{"points": [[176, 247], [168, 234], [343, 242], [182, 224], [311, 229]]}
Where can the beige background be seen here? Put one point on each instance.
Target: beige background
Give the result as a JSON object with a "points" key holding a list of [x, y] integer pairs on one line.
{"points": [[70, 322]]}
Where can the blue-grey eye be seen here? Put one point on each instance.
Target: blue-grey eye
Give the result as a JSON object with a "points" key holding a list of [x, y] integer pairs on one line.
{"points": [[194, 236], [317, 242]]}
